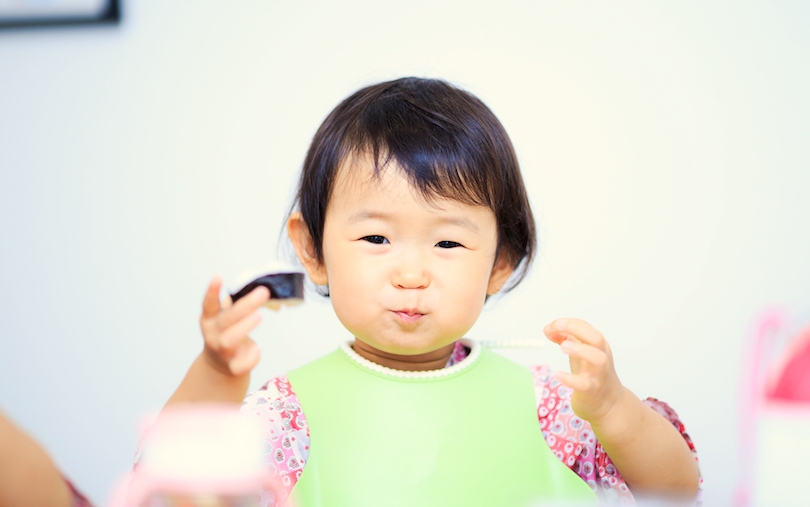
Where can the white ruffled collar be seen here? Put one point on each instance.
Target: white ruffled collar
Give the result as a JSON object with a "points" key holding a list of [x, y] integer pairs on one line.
{"points": [[475, 351]]}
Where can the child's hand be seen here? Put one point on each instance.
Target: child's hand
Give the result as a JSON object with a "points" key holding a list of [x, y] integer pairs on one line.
{"points": [[225, 327], [593, 378], [649, 452]]}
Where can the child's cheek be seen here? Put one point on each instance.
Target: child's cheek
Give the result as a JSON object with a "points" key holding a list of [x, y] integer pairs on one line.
{"points": [[468, 289]]}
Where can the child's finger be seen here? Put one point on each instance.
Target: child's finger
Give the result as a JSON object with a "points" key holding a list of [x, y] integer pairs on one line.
{"points": [[559, 329], [575, 382], [211, 299], [556, 332], [585, 352], [245, 359], [237, 332], [553, 334], [246, 305]]}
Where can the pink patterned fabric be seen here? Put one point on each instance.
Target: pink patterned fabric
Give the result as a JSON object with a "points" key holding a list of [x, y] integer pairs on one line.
{"points": [[573, 442], [569, 437]]}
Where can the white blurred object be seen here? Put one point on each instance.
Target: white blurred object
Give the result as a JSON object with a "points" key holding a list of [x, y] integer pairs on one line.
{"points": [[514, 343], [199, 455], [783, 442]]}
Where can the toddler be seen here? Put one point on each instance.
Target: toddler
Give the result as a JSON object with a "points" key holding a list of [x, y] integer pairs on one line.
{"points": [[410, 212]]}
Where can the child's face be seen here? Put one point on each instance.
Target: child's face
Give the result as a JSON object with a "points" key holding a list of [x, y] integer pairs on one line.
{"points": [[405, 276]]}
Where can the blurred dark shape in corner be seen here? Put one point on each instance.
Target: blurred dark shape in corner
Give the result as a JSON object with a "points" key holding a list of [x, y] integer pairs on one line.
{"points": [[28, 14]]}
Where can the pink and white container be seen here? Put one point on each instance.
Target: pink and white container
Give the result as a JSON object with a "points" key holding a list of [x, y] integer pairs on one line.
{"points": [[774, 417], [199, 455]]}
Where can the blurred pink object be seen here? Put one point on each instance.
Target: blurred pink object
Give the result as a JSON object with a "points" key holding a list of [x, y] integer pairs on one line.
{"points": [[199, 455], [792, 381], [774, 413]]}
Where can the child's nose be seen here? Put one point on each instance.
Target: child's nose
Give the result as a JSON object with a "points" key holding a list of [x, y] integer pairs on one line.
{"points": [[410, 273]]}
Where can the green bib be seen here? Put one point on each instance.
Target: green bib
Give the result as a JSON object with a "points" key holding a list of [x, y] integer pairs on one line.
{"points": [[466, 435]]}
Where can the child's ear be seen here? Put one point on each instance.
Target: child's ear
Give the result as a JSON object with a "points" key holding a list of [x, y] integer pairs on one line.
{"points": [[501, 272], [304, 248]]}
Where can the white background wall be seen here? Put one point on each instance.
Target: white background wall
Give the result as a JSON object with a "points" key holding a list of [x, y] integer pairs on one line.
{"points": [[664, 146]]}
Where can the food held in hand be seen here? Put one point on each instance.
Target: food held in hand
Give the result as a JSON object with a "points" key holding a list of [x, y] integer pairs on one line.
{"points": [[285, 289]]}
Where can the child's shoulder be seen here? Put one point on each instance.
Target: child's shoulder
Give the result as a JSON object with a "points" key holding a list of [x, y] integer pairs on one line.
{"points": [[541, 373], [546, 386], [275, 394], [554, 412], [286, 433], [276, 405]]}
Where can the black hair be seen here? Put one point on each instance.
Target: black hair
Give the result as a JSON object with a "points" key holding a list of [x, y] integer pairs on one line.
{"points": [[447, 143]]}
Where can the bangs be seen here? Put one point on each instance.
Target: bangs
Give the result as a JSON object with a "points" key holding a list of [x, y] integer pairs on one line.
{"points": [[442, 153]]}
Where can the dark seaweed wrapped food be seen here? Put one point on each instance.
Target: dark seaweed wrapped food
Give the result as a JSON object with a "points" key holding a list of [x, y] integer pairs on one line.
{"points": [[286, 288]]}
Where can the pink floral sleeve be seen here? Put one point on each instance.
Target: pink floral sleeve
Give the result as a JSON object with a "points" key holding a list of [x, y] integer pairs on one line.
{"points": [[573, 442], [286, 434]]}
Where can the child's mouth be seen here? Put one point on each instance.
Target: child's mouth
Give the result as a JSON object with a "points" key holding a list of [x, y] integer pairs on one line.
{"points": [[408, 316]]}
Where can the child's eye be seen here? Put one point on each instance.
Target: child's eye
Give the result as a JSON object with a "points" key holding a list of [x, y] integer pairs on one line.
{"points": [[377, 240], [447, 244]]}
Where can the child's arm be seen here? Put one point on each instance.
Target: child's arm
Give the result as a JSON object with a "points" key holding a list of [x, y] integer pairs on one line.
{"points": [[221, 373], [647, 450], [28, 476]]}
